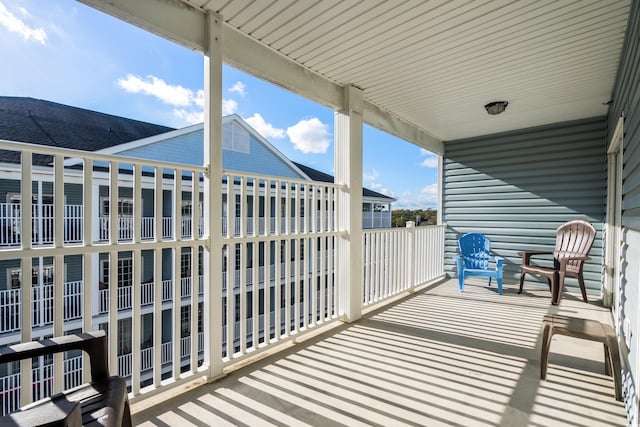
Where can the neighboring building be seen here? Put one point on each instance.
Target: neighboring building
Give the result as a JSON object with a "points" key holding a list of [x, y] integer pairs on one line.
{"points": [[46, 123]]}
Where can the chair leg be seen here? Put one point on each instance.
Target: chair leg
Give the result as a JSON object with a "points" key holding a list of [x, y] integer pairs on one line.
{"points": [[582, 287], [499, 279], [608, 369], [555, 289], [614, 360], [461, 281], [544, 352], [521, 281], [489, 281]]}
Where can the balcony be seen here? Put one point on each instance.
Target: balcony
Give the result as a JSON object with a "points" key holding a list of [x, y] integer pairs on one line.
{"points": [[437, 357]]}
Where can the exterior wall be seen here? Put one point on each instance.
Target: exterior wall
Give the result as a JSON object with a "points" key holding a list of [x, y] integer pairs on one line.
{"points": [[626, 101], [189, 149], [518, 187]]}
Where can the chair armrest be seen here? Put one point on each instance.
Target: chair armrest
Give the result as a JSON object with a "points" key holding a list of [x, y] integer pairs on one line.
{"points": [[94, 343], [499, 260], [530, 253], [571, 256], [526, 255]]}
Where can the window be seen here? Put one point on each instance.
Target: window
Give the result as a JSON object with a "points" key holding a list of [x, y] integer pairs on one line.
{"points": [[14, 276], [125, 272], [124, 336], [125, 207], [185, 321], [47, 199], [235, 138], [185, 265]]}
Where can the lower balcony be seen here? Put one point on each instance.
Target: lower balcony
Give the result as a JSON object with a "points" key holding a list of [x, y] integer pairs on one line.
{"points": [[436, 357]]}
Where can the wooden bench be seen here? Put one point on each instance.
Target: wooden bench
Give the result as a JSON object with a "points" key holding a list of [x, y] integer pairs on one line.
{"points": [[591, 330], [102, 402]]}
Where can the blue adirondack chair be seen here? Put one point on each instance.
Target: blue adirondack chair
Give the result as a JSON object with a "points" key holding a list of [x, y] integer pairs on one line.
{"points": [[474, 259]]}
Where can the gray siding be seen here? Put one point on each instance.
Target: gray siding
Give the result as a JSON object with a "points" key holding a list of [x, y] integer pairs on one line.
{"points": [[626, 101], [518, 187]]}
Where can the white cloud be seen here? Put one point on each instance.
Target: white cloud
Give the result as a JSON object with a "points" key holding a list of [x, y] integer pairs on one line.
{"points": [[229, 106], [176, 95], [239, 88], [189, 104], [15, 25], [430, 162], [430, 190], [265, 129], [310, 136], [199, 99], [370, 177], [428, 198], [370, 182], [191, 117]]}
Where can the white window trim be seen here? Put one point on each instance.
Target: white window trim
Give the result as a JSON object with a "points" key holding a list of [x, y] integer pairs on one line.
{"points": [[106, 261]]}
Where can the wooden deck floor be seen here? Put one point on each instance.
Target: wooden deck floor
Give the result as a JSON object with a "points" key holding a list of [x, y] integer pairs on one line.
{"points": [[438, 357]]}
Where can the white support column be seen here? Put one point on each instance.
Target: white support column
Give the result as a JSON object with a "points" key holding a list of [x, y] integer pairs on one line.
{"points": [[411, 255], [348, 165], [440, 186], [213, 197], [25, 278], [58, 270]]}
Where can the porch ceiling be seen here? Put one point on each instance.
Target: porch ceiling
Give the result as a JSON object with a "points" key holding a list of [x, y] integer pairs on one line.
{"points": [[432, 65]]}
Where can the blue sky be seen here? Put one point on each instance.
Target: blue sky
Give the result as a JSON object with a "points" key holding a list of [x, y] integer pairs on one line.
{"points": [[66, 52]]}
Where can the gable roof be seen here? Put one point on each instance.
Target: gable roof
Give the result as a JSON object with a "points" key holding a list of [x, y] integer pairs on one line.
{"points": [[316, 175], [48, 123]]}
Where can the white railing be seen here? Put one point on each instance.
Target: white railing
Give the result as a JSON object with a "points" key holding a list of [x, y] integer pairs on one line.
{"points": [[10, 310], [42, 381], [303, 246], [146, 359], [147, 228], [43, 304], [73, 300], [185, 347], [167, 290], [124, 298], [395, 260], [125, 365], [42, 224], [376, 219], [185, 287], [147, 293], [72, 372], [166, 355], [303, 240], [10, 393]]}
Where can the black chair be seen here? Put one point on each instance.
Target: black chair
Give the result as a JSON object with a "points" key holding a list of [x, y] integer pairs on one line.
{"points": [[104, 401]]}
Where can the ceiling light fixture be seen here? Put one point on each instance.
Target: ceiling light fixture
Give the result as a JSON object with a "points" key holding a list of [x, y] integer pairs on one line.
{"points": [[496, 107]]}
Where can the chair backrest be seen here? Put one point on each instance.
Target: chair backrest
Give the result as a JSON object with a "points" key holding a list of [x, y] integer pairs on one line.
{"points": [[474, 249], [574, 237]]}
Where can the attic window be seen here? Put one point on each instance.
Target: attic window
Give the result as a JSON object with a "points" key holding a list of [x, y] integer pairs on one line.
{"points": [[235, 138]]}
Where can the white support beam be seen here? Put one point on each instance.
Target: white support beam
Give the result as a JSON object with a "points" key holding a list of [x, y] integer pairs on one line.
{"points": [[213, 197], [186, 25], [348, 165], [171, 19]]}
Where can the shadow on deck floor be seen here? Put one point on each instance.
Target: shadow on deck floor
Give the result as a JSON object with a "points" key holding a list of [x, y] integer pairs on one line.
{"points": [[438, 357]]}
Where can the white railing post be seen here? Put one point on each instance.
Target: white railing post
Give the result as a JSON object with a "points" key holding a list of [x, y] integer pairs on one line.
{"points": [[348, 165], [213, 195], [411, 259]]}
